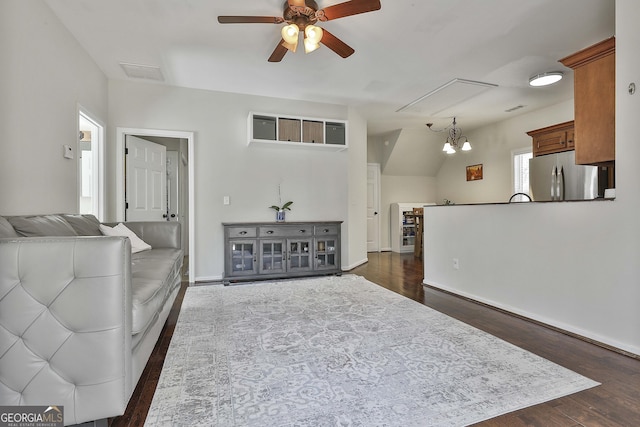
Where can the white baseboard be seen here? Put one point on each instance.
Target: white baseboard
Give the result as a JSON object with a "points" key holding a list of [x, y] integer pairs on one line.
{"points": [[208, 279], [354, 265], [571, 329]]}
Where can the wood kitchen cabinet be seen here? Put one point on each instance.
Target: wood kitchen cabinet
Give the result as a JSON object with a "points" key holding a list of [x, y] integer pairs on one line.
{"points": [[553, 139], [594, 99]]}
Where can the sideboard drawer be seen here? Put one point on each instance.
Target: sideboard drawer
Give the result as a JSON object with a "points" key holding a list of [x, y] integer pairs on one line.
{"points": [[326, 229], [287, 231], [235, 232]]}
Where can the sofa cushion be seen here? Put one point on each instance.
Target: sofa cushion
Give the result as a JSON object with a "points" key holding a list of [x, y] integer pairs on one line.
{"points": [[41, 226], [6, 229], [84, 225], [153, 274]]}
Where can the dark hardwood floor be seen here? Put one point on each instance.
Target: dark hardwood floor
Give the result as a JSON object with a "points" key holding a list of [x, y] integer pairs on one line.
{"points": [[615, 403]]}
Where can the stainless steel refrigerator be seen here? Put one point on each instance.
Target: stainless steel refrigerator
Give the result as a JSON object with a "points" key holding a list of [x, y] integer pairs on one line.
{"points": [[556, 177]]}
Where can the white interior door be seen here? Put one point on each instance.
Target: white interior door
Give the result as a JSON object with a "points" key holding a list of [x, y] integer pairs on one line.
{"points": [[146, 180], [373, 207]]}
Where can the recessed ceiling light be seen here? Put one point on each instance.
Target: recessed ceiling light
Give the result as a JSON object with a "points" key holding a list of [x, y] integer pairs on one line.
{"points": [[545, 79]]}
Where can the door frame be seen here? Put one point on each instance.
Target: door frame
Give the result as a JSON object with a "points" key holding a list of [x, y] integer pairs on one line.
{"points": [[121, 132], [376, 168], [99, 162]]}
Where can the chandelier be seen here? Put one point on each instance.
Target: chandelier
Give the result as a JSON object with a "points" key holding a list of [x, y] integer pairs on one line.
{"points": [[454, 138]]}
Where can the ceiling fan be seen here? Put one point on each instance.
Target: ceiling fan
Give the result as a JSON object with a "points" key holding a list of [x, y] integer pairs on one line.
{"points": [[301, 16]]}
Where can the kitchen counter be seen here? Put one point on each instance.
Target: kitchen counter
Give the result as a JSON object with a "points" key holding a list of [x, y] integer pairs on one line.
{"points": [[523, 203]]}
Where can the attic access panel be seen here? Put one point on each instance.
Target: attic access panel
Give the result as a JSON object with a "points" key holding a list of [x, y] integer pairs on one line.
{"points": [[447, 96]]}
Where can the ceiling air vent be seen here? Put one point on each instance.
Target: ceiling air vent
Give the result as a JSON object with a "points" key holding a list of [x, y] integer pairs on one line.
{"points": [[512, 109], [138, 71]]}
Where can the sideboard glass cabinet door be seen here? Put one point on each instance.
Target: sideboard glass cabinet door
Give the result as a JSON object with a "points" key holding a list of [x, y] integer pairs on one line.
{"points": [[243, 257], [326, 254], [299, 255], [272, 257]]}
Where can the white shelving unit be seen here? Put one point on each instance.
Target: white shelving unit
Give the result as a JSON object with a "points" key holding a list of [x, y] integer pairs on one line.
{"points": [[403, 227], [295, 131]]}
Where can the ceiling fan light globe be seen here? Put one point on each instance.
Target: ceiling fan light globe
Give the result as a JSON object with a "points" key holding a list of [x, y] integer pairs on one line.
{"points": [[313, 33], [291, 46], [466, 146], [447, 147], [290, 34], [310, 46]]}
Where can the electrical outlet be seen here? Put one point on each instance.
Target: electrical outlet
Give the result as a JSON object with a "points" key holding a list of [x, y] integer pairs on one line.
{"points": [[225, 200], [456, 264]]}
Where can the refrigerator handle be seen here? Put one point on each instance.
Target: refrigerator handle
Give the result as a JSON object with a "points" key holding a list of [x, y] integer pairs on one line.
{"points": [[560, 179], [553, 183]]}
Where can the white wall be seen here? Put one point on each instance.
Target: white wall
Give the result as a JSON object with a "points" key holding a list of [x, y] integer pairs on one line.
{"points": [[45, 73], [492, 147], [574, 264], [318, 182], [356, 224], [410, 152]]}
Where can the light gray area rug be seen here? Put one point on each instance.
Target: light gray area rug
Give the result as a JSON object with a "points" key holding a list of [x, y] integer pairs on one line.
{"points": [[339, 351]]}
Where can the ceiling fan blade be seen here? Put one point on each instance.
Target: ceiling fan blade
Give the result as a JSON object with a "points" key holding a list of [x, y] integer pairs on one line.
{"points": [[335, 44], [250, 19], [347, 8], [278, 52]]}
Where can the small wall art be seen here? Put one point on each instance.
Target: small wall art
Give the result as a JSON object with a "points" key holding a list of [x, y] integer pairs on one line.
{"points": [[474, 172]]}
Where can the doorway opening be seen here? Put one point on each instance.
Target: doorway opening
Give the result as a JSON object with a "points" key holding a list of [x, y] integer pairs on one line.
{"points": [[90, 165], [177, 197]]}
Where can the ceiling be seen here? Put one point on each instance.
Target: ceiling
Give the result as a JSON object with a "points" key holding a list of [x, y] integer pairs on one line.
{"points": [[407, 49]]}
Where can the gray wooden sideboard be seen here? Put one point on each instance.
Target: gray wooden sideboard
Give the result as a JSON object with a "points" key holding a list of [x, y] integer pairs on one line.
{"points": [[270, 250]]}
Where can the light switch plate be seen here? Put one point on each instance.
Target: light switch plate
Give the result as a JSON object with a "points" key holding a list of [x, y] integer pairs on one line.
{"points": [[225, 200], [68, 152]]}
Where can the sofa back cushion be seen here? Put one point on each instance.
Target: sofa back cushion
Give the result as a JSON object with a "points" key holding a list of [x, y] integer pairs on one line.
{"points": [[84, 225], [41, 226], [6, 229]]}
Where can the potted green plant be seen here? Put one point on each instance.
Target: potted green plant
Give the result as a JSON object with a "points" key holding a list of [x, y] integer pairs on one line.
{"points": [[280, 210]]}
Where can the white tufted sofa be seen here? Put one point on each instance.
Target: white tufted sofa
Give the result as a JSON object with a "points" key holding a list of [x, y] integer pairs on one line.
{"points": [[79, 314]]}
